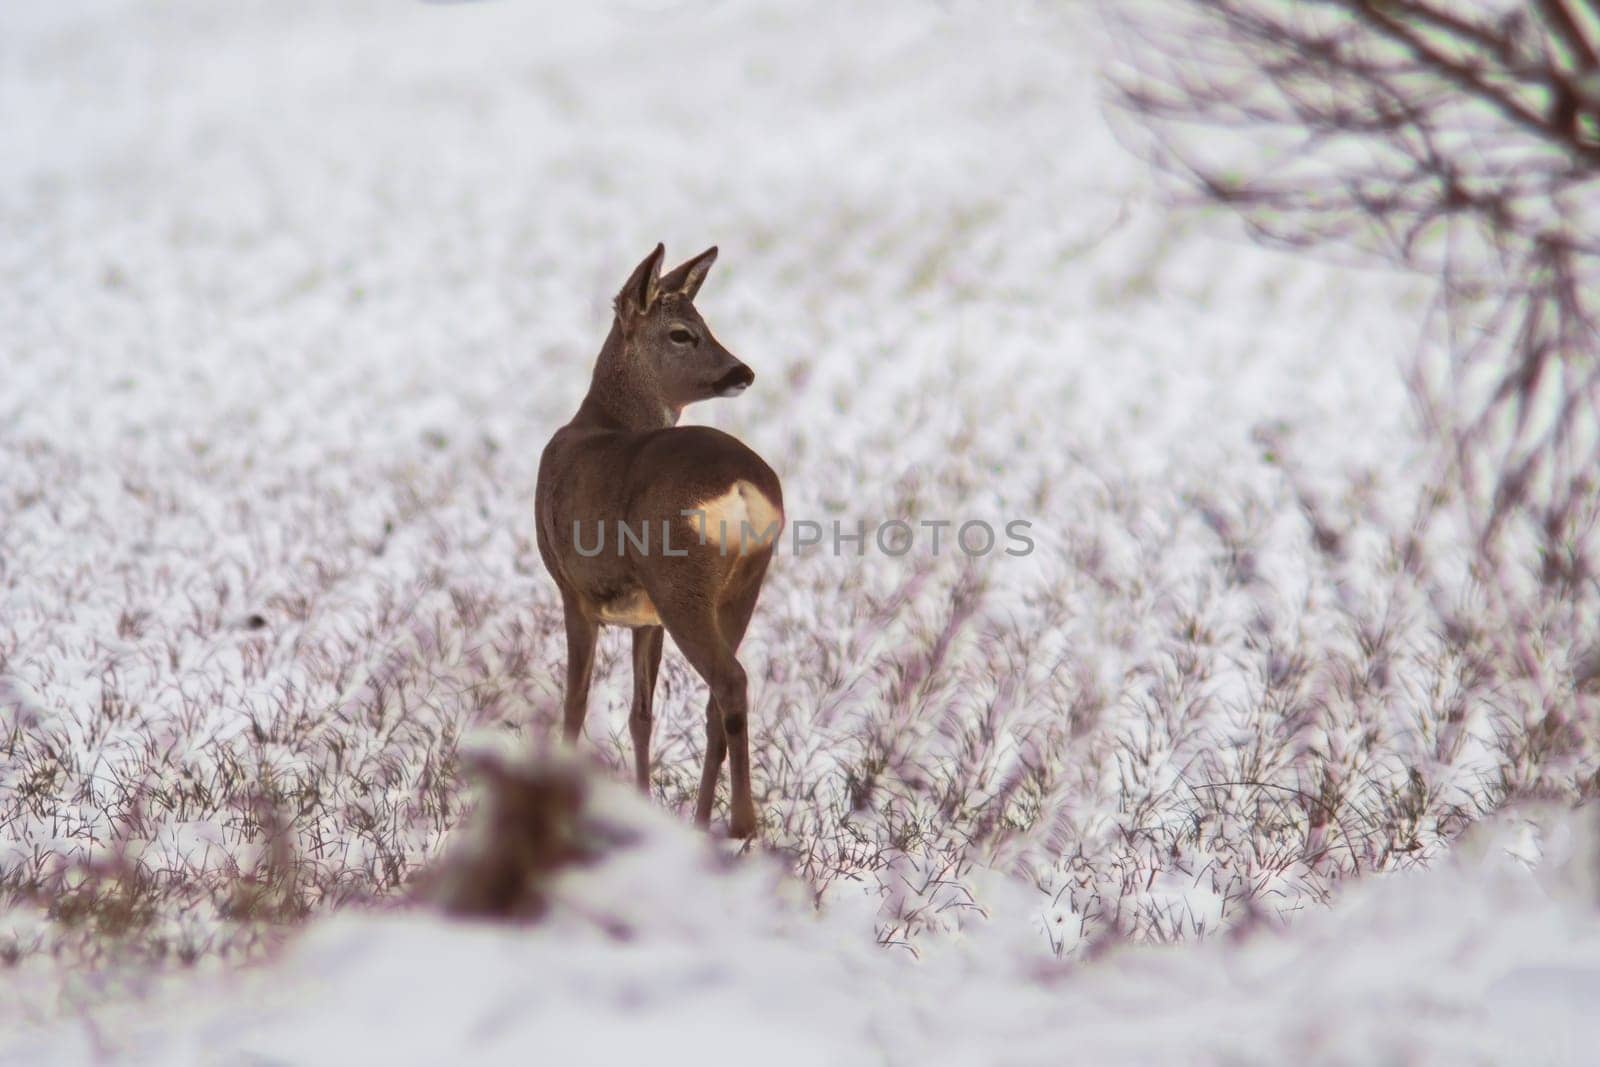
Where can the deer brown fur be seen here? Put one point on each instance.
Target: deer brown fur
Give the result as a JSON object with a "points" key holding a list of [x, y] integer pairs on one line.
{"points": [[686, 519]]}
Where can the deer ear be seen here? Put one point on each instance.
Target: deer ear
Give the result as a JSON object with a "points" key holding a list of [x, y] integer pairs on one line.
{"points": [[686, 278], [642, 286]]}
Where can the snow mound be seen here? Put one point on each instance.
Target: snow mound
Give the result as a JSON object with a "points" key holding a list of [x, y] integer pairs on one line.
{"points": [[664, 945]]}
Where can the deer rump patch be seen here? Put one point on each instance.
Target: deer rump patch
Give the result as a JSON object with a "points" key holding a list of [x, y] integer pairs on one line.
{"points": [[739, 522]]}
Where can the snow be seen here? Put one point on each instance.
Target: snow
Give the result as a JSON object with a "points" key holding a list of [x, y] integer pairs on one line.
{"points": [[666, 949], [291, 295]]}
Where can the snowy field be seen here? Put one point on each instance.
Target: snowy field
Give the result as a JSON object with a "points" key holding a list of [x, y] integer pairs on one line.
{"points": [[1476, 962], [291, 296]]}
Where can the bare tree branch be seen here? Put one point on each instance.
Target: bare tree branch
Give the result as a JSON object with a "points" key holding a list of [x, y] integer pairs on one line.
{"points": [[1460, 138]]}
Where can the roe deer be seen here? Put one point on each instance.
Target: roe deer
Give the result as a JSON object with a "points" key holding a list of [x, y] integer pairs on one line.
{"points": [[695, 513]]}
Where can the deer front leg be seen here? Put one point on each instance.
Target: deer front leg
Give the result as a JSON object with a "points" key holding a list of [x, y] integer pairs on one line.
{"points": [[581, 635], [646, 662]]}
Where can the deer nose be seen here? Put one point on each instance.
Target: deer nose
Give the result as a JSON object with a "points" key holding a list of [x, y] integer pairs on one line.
{"points": [[735, 381]]}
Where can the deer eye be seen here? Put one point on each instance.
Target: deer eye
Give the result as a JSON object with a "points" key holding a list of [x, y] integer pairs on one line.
{"points": [[680, 336]]}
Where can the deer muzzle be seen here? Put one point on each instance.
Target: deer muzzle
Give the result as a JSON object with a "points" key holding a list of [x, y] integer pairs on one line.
{"points": [[734, 382]]}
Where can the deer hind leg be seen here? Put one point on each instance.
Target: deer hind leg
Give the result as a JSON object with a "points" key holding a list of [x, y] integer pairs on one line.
{"points": [[581, 635], [694, 624], [716, 752], [699, 636], [646, 662], [714, 658]]}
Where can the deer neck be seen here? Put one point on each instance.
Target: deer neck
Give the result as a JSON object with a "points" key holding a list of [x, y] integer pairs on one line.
{"points": [[623, 395]]}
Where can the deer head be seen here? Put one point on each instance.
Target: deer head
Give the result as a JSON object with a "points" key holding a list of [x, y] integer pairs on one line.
{"points": [[665, 348]]}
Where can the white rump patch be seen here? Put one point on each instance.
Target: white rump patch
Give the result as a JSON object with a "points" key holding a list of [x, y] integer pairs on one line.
{"points": [[738, 522]]}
